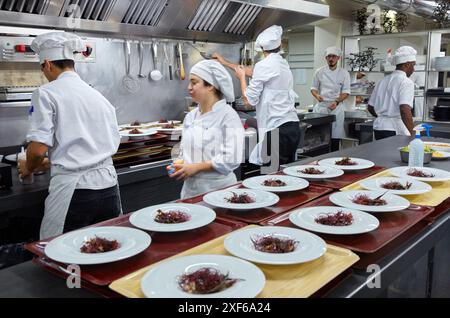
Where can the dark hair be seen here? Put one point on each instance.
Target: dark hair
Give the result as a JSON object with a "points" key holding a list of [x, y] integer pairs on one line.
{"points": [[62, 64], [218, 93], [278, 49]]}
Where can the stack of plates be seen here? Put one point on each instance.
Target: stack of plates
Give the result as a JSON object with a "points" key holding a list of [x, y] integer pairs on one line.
{"points": [[442, 63]]}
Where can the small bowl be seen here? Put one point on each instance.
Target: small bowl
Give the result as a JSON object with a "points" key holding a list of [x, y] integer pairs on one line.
{"points": [[404, 155]]}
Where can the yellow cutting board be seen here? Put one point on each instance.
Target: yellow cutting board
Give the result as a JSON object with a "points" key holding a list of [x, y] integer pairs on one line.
{"points": [[282, 281]]}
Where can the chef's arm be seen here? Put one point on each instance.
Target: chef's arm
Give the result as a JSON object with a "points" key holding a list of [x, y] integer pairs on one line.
{"points": [[225, 62], [316, 95], [342, 97], [372, 111], [36, 156], [407, 118], [243, 90]]}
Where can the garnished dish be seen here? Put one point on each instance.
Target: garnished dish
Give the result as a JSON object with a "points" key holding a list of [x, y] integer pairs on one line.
{"points": [[170, 125], [346, 161], [273, 244], [206, 280], [274, 183], [135, 131], [163, 121], [364, 199], [135, 123], [395, 185], [340, 218], [99, 245], [171, 217], [419, 173], [240, 198], [311, 171]]}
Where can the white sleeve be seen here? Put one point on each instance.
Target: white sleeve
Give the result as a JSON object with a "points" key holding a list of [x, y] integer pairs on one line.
{"points": [[316, 82], [373, 98], [261, 75], [42, 125], [346, 83], [406, 94], [231, 150]]}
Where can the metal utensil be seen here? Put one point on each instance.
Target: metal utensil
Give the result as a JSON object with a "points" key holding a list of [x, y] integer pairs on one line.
{"points": [[129, 82], [155, 74], [141, 59], [168, 60], [180, 56], [203, 54]]}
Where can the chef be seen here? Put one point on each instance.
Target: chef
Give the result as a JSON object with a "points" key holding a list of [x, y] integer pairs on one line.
{"points": [[393, 97], [271, 92], [77, 126], [213, 134], [331, 86]]}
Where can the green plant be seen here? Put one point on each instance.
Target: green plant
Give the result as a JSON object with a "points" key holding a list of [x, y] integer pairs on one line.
{"points": [[363, 61], [361, 17], [387, 21], [401, 21], [441, 13]]}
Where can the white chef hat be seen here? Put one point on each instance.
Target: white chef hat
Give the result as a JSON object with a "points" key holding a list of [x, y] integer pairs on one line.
{"points": [[269, 39], [333, 50], [214, 73], [404, 54], [55, 46]]}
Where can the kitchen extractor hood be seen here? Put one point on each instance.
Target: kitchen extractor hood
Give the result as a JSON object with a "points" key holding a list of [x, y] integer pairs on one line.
{"points": [[205, 20]]}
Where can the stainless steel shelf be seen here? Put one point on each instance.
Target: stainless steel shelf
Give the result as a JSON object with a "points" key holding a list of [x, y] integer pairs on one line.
{"points": [[15, 104]]}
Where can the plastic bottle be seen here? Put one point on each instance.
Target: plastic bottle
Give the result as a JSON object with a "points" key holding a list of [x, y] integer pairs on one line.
{"points": [[22, 156], [416, 150]]}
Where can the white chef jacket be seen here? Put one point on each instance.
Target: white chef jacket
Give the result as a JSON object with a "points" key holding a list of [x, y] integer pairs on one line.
{"points": [[79, 126], [392, 91], [330, 84], [271, 91], [217, 136]]}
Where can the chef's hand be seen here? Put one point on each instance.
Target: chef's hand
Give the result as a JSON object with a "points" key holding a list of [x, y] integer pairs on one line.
{"points": [[240, 72], [45, 165], [218, 57], [319, 98], [184, 171], [333, 106], [22, 168]]}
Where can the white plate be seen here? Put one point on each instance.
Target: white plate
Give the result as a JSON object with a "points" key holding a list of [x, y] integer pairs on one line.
{"points": [[66, 248], [417, 187], [145, 218], [439, 175], [328, 172], [446, 155], [309, 248], [12, 158], [360, 163], [161, 281], [171, 130], [145, 132], [439, 146], [262, 199], [394, 202], [292, 184], [362, 222]]}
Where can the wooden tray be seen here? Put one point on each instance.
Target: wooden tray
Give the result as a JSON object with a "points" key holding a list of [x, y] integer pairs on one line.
{"points": [[288, 201], [300, 280], [163, 245], [392, 225]]}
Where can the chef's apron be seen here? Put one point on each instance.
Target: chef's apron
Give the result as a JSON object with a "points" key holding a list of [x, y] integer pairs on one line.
{"points": [[395, 122], [206, 182], [62, 186], [338, 131]]}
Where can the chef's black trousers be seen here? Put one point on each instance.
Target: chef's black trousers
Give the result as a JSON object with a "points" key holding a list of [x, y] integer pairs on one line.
{"points": [[289, 139], [92, 206], [382, 134]]}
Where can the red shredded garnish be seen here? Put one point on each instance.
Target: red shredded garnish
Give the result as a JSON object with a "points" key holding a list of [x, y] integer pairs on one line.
{"points": [[419, 173], [99, 245], [273, 244], [162, 121], [135, 131], [206, 281], [241, 198], [346, 161], [171, 217], [364, 199], [274, 183], [395, 185], [339, 218], [311, 171], [169, 126]]}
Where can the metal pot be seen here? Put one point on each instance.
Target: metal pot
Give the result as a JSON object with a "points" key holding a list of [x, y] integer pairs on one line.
{"points": [[404, 155]]}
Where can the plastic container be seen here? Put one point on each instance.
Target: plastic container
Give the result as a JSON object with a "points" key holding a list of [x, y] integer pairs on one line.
{"points": [[416, 151]]}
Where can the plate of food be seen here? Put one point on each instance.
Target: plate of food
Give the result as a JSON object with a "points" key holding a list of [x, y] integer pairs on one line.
{"points": [[97, 245], [241, 199], [203, 276], [421, 174], [172, 217], [312, 172], [275, 245], [400, 186], [138, 133], [438, 146], [275, 183], [334, 220], [440, 155], [370, 201], [347, 163]]}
